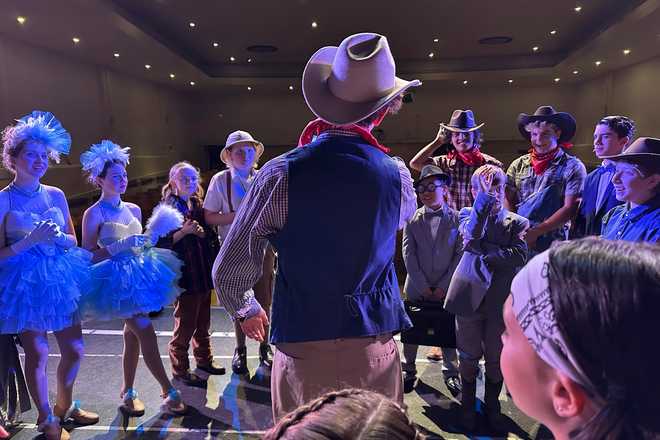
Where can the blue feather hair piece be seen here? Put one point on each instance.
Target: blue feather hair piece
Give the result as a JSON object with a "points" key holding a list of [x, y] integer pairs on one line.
{"points": [[38, 126], [93, 160]]}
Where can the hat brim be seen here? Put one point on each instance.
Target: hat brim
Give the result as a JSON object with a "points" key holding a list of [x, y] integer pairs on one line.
{"points": [[224, 154], [565, 122], [462, 130], [446, 179], [633, 157], [335, 110]]}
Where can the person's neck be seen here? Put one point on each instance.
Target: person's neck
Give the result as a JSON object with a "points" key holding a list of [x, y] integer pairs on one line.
{"points": [[26, 183], [242, 172], [435, 207], [111, 199], [544, 150]]}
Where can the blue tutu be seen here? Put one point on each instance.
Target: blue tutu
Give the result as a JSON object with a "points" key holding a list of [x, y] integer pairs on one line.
{"points": [[40, 289], [127, 285]]}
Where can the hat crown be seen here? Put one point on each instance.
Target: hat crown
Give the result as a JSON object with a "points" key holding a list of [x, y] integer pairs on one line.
{"points": [[462, 119], [643, 145], [363, 69], [238, 136], [545, 110]]}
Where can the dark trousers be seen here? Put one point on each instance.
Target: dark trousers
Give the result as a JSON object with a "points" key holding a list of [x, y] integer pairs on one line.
{"points": [[192, 320]]}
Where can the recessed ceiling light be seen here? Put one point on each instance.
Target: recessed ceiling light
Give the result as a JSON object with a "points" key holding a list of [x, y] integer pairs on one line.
{"points": [[465, 82], [598, 63], [315, 24], [147, 66], [75, 40], [232, 59], [431, 54], [436, 40], [577, 8], [510, 81], [557, 80], [192, 83], [172, 76], [553, 32], [575, 72], [216, 44], [192, 24], [249, 60], [20, 19], [290, 87], [626, 51], [249, 88], [535, 48], [116, 54]]}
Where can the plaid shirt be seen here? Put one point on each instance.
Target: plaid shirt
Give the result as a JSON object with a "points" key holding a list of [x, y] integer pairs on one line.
{"points": [[263, 212], [460, 189], [522, 180]]}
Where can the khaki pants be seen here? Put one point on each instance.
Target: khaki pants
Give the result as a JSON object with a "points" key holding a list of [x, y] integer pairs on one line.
{"points": [[305, 370]]}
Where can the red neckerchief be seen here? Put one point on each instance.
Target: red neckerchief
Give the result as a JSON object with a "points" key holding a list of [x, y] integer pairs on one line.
{"points": [[318, 126], [540, 162], [473, 158]]}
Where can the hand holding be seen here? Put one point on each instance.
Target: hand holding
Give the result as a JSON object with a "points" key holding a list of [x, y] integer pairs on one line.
{"points": [[127, 243], [255, 326]]}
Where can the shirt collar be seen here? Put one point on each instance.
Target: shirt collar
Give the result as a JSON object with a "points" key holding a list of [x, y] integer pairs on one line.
{"points": [[640, 210]]}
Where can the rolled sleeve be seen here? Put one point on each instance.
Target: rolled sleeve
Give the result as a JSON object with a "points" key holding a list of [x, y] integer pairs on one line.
{"points": [[212, 201]]}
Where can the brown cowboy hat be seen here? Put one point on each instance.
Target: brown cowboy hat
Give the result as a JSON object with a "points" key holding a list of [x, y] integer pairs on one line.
{"points": [[565, 122], [345, 84], [644, 149], [462, 121]]}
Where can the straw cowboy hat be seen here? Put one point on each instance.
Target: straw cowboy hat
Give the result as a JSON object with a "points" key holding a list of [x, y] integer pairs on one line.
{"points": [[237, 137], [462, 121], [343, 85], [565, 122]]}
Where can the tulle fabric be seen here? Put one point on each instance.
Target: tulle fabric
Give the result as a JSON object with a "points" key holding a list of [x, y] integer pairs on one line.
{"points": [[129, 284], [40, 289]]}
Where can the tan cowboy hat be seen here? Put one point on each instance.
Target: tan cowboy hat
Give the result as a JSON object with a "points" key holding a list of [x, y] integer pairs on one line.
{"points": [[644, 150], [238, 137], [462, 121], [343, 85]]}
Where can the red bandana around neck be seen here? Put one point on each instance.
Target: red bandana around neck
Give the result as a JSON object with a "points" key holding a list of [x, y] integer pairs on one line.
{"points": [[318, 126], [541, 162], [473, 158]]}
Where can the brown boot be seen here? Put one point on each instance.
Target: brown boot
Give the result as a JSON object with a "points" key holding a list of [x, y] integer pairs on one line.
{"points": [[132, 406], [468, 401], [78, 415]]}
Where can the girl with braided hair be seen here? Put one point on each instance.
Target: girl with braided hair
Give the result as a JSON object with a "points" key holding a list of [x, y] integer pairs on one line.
{"points": [[579, 346], [350, 414]]}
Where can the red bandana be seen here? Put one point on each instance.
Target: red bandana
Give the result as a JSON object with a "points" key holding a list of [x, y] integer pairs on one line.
{"points": [[473, 158], [318, 126], [540, 162]]}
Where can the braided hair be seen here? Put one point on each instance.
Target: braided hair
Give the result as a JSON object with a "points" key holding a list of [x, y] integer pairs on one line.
{"points": [[349, 414]]}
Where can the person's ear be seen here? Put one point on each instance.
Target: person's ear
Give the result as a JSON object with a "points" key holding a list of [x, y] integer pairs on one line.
{"points": [[568, 397]]}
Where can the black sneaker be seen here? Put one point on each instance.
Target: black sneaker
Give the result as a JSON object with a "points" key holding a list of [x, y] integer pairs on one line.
{"points": [[453, 384], [191, 379], [212, 369], [239, 361], [265, 355]]}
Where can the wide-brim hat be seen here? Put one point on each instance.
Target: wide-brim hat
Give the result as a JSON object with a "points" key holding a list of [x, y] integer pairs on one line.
{"points": [[433, 171], [345, 84], [462, 121], [238, 137], [643, 149], [565, 122]]}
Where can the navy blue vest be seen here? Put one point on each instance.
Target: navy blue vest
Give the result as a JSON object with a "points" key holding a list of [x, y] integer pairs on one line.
{"points": [[336, 276]]}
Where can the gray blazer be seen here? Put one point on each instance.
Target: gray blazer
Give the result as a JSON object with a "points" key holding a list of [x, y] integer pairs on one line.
{"points": [[494, 251], [430, 263]]}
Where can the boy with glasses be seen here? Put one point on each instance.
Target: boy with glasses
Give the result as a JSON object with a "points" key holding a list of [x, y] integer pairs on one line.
{"points": [[431, 251]]}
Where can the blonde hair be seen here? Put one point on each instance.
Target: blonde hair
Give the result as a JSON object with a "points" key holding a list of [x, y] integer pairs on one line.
{"points": [[543, 124], [170, 186], [486, 169]]}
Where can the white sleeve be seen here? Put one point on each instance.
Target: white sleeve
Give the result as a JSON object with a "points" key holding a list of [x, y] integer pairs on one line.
{"points": [[213, 199]]}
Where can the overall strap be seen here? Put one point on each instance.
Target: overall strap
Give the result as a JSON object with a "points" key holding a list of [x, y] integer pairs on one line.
{"points": [[231, 205]]}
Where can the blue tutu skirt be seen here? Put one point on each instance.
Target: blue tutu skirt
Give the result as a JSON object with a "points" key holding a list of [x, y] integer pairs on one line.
{"points": [[127, 285], [40, 289]]}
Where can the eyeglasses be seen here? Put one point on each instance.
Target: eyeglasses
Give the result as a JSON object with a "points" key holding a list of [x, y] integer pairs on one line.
{"points": [[428, 188]]}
